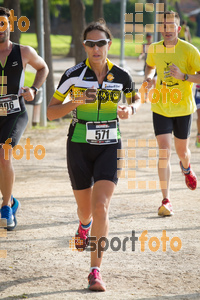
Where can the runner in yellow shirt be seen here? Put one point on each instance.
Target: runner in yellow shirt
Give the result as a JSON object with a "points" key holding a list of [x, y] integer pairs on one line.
{"points": [[178, 66], [184, 33]]}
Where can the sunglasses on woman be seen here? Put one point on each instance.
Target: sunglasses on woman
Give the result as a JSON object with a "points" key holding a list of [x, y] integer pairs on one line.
{"points": [[99, 43]]}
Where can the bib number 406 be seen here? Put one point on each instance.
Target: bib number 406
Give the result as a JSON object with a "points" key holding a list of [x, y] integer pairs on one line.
{"points": [[9, 105]]}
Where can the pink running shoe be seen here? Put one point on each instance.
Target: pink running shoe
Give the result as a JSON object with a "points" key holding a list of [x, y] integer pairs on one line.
{"points": [[166, 208], [95, 282], [190, 179], [81, 238]]}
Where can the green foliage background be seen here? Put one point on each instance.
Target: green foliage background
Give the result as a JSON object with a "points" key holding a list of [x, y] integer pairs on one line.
{"points": [[60, 8]]}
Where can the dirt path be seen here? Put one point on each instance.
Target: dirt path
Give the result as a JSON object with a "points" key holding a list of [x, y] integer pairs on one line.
{"points": [[40, 263]]}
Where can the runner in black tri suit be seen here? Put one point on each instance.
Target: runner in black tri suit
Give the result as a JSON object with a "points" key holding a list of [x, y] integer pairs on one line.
{"points": [[13, 60], [94, 136], [14, 124]]}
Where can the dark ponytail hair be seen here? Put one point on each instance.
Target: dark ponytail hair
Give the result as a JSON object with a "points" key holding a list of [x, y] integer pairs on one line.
{"points": [[100, 25]]}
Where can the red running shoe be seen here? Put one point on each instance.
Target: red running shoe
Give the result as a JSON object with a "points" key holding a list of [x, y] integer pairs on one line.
{"points": [[166, 208], [95, 282], [81, 238], [190, 179]]}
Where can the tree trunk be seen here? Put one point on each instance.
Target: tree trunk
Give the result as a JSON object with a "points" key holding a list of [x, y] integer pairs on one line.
{"points": [[15, 5], [178, 9], [198, 24], [165, 8], [165, 4], [48, 55], [77, 10], [97, 9], [47, 48], [71, 52]]}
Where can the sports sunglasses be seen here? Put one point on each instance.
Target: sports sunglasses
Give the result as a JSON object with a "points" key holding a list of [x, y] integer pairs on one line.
{"points": [[99, 43]]}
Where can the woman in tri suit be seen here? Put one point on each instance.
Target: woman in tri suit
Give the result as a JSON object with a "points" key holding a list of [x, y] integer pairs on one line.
{"points": [[94, 135]]}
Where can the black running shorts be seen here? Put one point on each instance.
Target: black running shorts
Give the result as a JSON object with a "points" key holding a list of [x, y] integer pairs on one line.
{"points": [[13, 125], [180, 126], [89, 163]]}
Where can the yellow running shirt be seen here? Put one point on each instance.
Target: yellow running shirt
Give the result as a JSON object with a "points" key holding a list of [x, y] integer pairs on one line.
{"points": [[173, 97]]}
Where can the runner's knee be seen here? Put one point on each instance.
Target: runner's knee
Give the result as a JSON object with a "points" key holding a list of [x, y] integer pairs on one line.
{"points": [[5, 159], [100, 209], [84, 214], [183, 154], [164, 152]]}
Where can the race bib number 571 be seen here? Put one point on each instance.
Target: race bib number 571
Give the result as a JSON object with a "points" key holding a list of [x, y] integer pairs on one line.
{"points": [[101, 133]]}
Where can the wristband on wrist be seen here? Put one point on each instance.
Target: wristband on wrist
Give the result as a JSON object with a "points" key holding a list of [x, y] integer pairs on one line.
{"points": [[185, 77], [133, 110], [35, 89]]}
